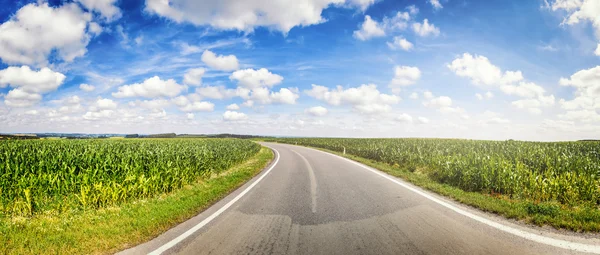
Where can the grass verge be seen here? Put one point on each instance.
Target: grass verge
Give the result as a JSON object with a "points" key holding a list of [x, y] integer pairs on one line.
{"points": [[579, 219], [112, 229]]}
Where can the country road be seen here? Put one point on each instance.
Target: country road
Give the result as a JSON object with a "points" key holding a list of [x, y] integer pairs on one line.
{"points": [[312, 202]]}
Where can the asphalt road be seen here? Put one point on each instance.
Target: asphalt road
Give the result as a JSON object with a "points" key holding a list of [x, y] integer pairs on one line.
{"points": [[311, 202]]}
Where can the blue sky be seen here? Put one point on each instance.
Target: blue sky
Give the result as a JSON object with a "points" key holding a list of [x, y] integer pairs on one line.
{"points": [[358, 68]]}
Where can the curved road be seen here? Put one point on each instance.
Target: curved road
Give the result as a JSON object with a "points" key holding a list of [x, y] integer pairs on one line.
{"points": [[311, 202]]}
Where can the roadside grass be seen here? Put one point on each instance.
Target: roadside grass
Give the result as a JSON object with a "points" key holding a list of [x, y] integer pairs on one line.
{"points": [[579, 218], [109, 230]]}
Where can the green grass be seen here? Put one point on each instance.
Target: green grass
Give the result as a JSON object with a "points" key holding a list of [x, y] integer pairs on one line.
{"points": [[111, 229], [576, 218]]}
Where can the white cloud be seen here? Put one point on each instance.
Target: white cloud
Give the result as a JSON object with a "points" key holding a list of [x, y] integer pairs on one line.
{"points": [[87, 87], [487, 95], [150, 88], [427, 95], [581, 11], [317, 111], [32, 112], [187, 49], [587, 93], [106, 104], [405, 118], [194, 76], [199, 107], [190, 116], [106, 8], [139, 40], [369, 29], [21, 98], [250, 78], [400, 43], [285, 96], [221, 63], [425, 29], [42, 81], [245, 15], [414, 95], [248, 103], [97, 115], [398, 21], [404, 76], [36, 30], [436, 4], [443, 104], [234, 116], [233, 107], [180, 101], [412, 9], [484, 74], [28, 84], [422, 120], [365, 99], [154, 104]]}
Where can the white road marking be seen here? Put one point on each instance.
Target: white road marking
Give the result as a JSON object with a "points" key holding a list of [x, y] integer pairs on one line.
{"points": [[215, 214], [579, 247], [313, 182]]}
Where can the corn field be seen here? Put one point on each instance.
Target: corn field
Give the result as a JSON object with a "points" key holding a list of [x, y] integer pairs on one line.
{"points": [[565, 172], [61, 175]]}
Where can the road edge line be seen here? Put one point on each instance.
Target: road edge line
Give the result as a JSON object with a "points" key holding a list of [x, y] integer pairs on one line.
{"points": [[200, 225]]}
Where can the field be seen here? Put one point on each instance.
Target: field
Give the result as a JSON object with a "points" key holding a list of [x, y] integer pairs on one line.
{"points": [[546, 183], [63, 175]]}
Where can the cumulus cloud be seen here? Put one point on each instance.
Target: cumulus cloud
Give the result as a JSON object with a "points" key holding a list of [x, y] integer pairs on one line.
{"points": [[190, 116], [234, 116], [436, 4], [21, 98], [150, 88], [250, 78], [106, 8], [579, 11], [365, 99], [28, 84], [199, 107], [220, 62], [245, 15], [422, 120], [233, 107], [316, 111], [488, 95], [404, 118], [484, 74], [87, 87], [425, 29], [193, 76], [42, 81], [443, 104], [369, 29], [586, 96], [400, 43], [404, 76], [37, 30], [106, 104]]}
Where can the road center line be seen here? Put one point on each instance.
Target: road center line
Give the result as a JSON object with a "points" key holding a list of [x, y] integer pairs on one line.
{"points": [[580, 247], [313, 182], [186, 234]]}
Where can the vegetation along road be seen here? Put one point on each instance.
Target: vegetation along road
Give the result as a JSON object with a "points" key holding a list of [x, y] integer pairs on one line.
{"points": [[314, 202]]}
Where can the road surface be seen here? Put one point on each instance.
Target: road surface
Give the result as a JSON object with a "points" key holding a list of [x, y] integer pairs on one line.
{"points": [[312, 202]]}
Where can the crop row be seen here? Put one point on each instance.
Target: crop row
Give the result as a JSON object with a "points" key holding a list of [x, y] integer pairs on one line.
{"points": [[61, 175]]}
